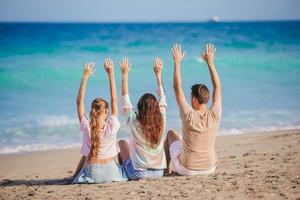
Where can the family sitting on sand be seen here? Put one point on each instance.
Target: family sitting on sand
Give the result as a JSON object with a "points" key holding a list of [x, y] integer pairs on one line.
{"points": [[149, 154]]}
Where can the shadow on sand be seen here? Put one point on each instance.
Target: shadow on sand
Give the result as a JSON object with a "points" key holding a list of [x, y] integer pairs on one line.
{"points": [[32, 182], [41, 182]]}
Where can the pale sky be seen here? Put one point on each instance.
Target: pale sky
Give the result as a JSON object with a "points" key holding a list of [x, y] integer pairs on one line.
{"points": [[147, 10]]}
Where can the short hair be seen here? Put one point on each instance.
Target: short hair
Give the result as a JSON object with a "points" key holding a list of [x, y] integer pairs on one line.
{"points": [[201, 92]]}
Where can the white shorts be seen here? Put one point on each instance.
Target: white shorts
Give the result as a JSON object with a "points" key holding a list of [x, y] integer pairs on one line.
{"points": [[175, 150]]}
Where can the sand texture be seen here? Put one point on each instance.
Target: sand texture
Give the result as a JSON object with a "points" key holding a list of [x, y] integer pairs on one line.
{"points": [[250, 166]]}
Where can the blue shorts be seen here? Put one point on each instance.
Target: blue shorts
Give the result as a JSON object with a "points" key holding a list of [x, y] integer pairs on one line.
{"points": [[134, 174], [101, 173]]}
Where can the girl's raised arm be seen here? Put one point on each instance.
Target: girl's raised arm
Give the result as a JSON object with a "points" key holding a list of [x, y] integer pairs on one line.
{"points": [[157, 67], [125, 68], [109, 68], [87, 72], [126, 103]]}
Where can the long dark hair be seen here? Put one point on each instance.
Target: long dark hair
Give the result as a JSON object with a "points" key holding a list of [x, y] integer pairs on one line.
{"points": [[150, 119]]}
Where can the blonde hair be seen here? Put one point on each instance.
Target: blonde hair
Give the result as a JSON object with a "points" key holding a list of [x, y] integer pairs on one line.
{"points": [[98, 108]]}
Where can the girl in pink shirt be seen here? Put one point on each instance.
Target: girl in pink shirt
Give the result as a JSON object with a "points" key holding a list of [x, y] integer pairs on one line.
{"points": [[99, 145]]}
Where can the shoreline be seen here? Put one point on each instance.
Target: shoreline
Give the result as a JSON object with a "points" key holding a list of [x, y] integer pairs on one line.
{"points": [[250, 166], [74, 147]]}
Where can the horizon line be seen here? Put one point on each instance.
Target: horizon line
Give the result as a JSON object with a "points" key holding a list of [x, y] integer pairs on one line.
{"points": [[150, 22]]}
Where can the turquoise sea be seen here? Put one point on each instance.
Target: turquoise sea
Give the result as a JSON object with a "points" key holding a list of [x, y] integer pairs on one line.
{"points": [[41, 66]]}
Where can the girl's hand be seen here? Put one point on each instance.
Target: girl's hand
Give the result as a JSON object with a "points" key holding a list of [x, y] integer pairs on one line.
{"points": [[158, 66], [125, 66], [208, 55], [109, 66], [88, 70], [178, 55]]}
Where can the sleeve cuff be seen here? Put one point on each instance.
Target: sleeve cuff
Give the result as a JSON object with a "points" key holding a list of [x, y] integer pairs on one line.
{"points": [[160, 91], [126, 104], [116, 121], [162, 97]]}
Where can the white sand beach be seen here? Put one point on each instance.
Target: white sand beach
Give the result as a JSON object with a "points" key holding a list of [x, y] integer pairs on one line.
{"points": [[250, 166]]}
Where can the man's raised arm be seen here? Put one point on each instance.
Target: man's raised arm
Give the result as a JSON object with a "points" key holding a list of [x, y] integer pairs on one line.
{"points": [[178, 55], [208, 57]]}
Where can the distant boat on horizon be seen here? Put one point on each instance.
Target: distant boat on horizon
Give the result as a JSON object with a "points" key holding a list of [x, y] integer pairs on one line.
{"points": [[215, 19]]}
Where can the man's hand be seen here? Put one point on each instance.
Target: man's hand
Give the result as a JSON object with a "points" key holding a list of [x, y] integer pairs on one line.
{"points": [[109, 66], [208, 55], [178, 55]]}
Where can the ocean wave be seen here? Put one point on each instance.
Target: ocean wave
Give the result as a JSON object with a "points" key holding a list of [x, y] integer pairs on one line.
{"points": [[125, 134], [47, 132], [34, 147], [263, 118], [30, 121], [52, 120], [235, 131]]}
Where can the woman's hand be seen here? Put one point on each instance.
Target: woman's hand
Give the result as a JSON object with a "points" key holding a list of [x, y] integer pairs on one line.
{"points": [[109, 66], [178, 55], [125, 66], [158, 66], [209, 54], [88, 70]]}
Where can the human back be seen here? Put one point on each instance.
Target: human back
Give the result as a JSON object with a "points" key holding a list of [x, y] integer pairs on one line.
{"points": [[199, 131], [102, 130], [147, 126], [150, 120], [200, 126]]}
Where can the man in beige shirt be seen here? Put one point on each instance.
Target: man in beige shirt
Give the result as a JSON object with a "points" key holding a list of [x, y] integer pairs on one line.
{"points": [[194, 154]]}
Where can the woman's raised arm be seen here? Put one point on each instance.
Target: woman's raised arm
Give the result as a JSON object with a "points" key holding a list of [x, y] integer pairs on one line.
{"points": [[125, 68], [157, 67]]}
